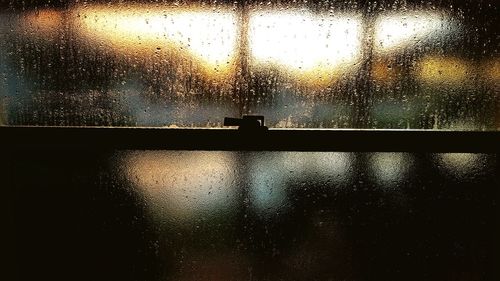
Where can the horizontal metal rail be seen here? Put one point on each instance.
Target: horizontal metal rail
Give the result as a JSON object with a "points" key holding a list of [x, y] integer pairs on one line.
{"points": [[232, 139]]}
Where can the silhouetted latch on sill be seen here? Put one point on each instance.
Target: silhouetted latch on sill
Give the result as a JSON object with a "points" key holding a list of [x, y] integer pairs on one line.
{"points": [[247, 123]]}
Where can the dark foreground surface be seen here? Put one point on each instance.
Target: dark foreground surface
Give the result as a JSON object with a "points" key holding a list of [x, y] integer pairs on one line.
{"points": [[82, 214]]}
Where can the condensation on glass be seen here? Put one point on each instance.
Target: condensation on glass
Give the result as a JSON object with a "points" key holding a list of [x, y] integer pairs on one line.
{"points": [[223, 215], [234, 215], [327, 64]]}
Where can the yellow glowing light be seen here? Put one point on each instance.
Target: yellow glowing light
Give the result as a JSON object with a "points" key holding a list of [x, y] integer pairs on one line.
{"points": [[461, 165], [491, 71], [385, 72], [181, 185], [315, 47], [209, 36], [42, 24], [393, 32], [444, 71]]}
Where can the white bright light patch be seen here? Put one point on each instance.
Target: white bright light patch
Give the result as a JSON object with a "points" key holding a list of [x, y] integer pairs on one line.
{"points": [[210, 36], [302, 41], [397, 31]]}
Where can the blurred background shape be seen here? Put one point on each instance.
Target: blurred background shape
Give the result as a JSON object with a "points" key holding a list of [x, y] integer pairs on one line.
{"points": [[312, 47], [209, 36], [235, 215], [344, 64], [182, 186], [399, 31]]}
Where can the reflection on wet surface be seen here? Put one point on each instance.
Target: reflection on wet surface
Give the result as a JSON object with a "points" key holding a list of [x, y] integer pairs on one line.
{"points": [[207, 182], [45, 25], [300, 65], [461, 166], [174, 215], [391, 168]]}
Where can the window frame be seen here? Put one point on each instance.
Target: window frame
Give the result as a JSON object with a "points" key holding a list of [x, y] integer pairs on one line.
{"points": [[230, 139]]}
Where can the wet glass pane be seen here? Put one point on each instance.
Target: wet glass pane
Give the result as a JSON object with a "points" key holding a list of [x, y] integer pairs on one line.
{"points": [[301, 64], [183, 215]]}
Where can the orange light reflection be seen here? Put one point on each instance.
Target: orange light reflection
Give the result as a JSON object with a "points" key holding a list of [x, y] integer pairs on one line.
{"points": [[43, 24], [182, 185]]}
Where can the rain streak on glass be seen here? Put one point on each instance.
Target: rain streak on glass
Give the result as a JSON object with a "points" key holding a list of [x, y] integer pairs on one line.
{"points": [[328, 64]]}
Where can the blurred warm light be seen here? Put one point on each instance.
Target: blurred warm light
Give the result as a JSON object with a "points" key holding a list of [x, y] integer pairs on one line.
{"points": [[446, 71], [491, 71], [462, 166], [42, 24], [207, 35], [334, 167], [184, 184], [312, 47], [393, 32], [385, 72], [391, 168]]}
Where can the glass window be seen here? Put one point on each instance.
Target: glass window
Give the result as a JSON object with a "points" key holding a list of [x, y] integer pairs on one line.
{"points": [[229, 215], [327, 64]]}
